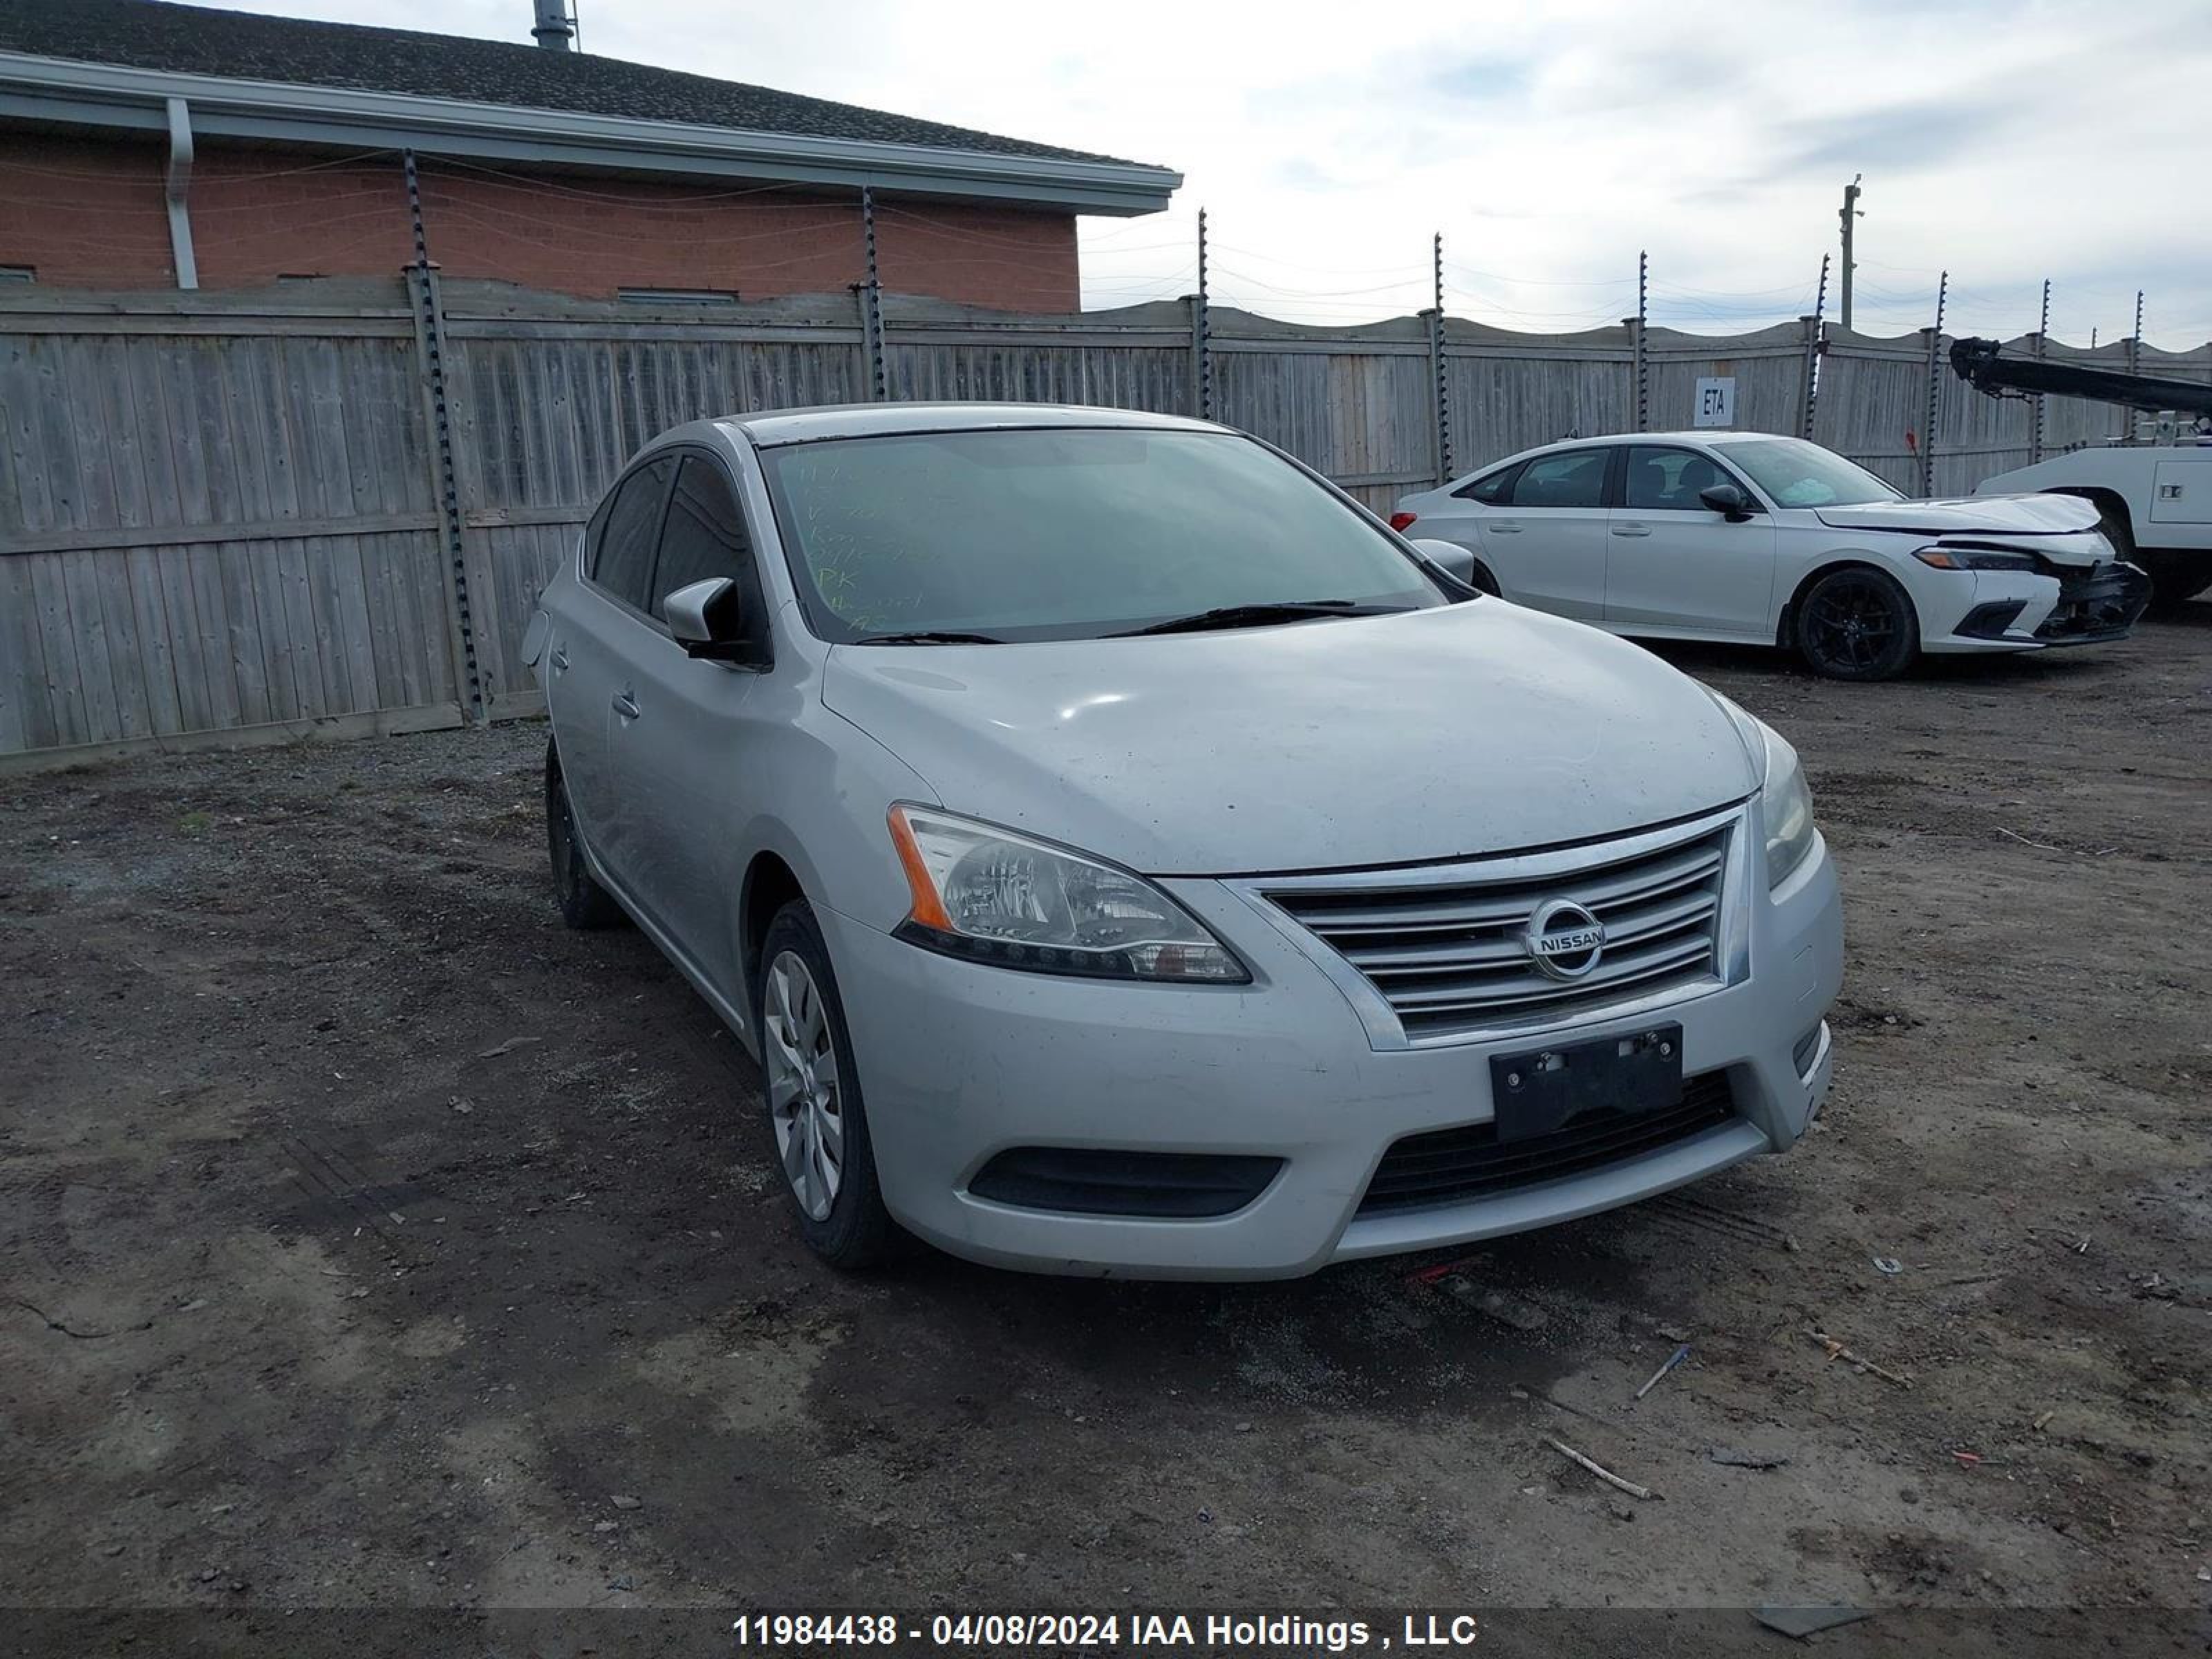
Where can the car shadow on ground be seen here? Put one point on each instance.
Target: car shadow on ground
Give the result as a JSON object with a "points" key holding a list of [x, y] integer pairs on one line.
{"points": [[2005, 670]]}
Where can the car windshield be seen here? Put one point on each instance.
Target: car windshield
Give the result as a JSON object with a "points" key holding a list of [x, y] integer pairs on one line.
{"points": [[1072, 533], [1794, 473]]}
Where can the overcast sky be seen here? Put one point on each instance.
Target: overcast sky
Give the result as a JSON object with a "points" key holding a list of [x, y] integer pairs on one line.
{"points": [[1547, 142]]}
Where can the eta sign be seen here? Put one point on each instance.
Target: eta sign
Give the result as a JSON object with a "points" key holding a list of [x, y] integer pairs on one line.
{"points": [[1716, 402]]}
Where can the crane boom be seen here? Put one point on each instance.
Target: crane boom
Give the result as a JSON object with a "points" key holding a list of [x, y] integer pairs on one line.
{"points": [[1981, 365]]}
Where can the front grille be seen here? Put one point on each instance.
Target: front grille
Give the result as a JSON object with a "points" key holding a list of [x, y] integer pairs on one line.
{"points": [[1444, 947], [1451, 1166], [2099, 602]]}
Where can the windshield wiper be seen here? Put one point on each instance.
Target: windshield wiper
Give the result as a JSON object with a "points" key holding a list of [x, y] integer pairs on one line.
{"points": [[1254, 616], [929, 637]]}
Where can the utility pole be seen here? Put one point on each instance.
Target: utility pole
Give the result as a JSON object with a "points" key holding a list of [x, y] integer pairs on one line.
{"points": [[1850, 212]]}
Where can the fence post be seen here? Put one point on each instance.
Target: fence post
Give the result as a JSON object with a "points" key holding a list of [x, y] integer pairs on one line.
{"points": [[2128, 427], [1202, 337], [427, 306], [872, 307], [2042, 333], [1439, 388], [1812, 372], [1934, 389], [1643, 357]]}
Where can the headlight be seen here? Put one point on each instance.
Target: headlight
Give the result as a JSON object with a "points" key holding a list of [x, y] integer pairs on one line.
{"points": [[992, 895], [1987, 558], [1786, 804]]}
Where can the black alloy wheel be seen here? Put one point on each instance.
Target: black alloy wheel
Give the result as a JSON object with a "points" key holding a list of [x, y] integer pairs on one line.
{"points": [[1856, 624]]}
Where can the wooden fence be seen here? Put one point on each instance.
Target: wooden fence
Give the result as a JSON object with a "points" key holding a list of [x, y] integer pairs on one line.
{"points": [[223, 517]]}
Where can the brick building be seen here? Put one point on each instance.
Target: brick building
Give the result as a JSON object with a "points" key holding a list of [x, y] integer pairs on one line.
{"points": [[145, 144]]}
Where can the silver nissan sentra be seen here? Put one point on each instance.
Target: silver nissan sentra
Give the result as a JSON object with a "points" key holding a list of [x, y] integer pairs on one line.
{"points": [[1126, 855]]}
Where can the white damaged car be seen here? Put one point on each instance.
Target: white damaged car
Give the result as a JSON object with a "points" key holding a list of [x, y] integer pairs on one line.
{"points": [[1746, 539]]}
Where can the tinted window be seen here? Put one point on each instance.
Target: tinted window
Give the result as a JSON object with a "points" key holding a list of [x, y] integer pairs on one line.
{"points": [[1065, 532], [623, 564], [1575, 477], [1669, 480], [704, 535], [1498, 487]]}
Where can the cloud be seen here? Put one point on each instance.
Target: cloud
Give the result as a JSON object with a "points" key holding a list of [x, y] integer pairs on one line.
{"points": [[1896, 139]]}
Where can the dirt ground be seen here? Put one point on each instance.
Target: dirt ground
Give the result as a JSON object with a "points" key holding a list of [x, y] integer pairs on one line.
{"points": [[367, 1239]]}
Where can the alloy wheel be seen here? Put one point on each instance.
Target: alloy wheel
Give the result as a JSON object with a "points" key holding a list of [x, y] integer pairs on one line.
{"points": [[1851, 624], [804, 1099]]}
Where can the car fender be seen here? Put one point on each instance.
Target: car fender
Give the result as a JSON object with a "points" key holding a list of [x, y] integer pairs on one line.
{"points": [[1921, 584]]}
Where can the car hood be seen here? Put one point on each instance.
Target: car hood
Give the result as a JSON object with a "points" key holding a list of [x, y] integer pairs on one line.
{"points": [[2003, 516], [1437, 734]]}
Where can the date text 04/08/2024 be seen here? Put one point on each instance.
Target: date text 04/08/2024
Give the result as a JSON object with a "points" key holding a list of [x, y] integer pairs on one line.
{"points": [[1259, 1633]]}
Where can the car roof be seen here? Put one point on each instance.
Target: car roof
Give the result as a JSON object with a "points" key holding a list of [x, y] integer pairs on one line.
{"points": [[772, 427], [1701, 435], [1609, 439]]}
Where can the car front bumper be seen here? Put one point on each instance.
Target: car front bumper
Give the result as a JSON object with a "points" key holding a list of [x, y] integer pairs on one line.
{"points": [[2025, 611], [959, 1061]]}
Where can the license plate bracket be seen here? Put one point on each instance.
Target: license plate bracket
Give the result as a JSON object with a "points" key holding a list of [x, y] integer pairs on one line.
{"points": [[1541, 1092]]}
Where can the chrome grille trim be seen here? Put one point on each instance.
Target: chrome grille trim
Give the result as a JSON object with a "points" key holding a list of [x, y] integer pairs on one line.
{"points": [[1433, 955]]}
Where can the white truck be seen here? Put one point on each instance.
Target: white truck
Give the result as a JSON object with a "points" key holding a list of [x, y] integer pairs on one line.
{"points": [[2152, 490]]}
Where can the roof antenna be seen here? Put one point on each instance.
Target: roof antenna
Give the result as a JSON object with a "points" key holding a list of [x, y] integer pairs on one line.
{"points": [[556, 28]]}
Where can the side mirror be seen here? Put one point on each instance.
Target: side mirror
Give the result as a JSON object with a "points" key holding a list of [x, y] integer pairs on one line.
{"points": [[1728, 501], [1459, 561], [706, 621]]}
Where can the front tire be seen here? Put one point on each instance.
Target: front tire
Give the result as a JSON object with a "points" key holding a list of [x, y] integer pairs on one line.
{"points": [[1857, 624], [584, 905], [818, 1122]]}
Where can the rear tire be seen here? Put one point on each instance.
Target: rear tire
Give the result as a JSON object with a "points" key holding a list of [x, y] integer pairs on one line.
{"points": [[584, 905], [817, 1122], [1857, 624]]}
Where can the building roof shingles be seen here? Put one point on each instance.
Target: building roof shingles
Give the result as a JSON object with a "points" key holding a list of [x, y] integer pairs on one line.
{"points": [[245, 46]]}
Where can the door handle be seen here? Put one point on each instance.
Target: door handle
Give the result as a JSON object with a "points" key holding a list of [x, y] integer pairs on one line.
{"points": [[1632, 529], [626, 706], [1503, 529], [560, 659]]}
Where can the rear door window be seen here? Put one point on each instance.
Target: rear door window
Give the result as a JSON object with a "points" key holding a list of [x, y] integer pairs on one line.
{"points": [[622, 563], [1574, 477]]}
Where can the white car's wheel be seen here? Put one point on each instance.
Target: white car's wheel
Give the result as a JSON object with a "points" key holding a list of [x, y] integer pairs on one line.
{"points": [[1857, 623]]}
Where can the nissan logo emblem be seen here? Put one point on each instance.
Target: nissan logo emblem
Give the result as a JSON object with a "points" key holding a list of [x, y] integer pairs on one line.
{"points": [[1564, 939]]}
